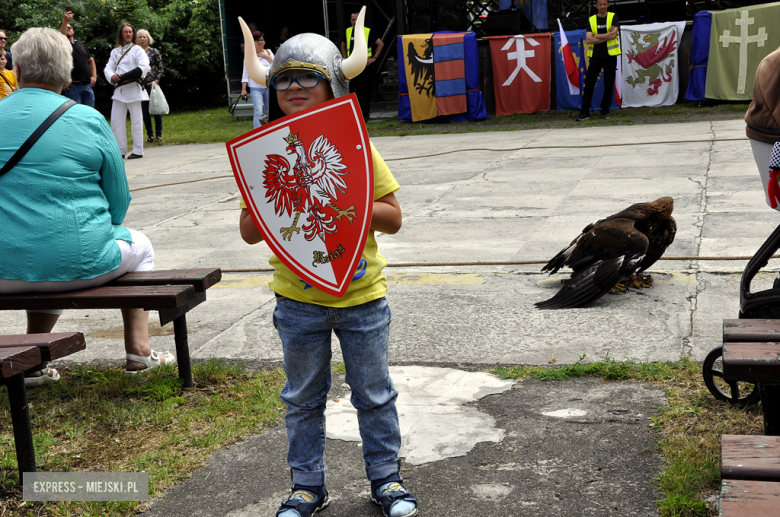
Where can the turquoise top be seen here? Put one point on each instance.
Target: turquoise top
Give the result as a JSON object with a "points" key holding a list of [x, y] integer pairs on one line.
{"points": [[61, 207]]}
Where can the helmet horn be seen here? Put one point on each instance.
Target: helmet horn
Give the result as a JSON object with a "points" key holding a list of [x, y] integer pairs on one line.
{"points": [[356, 62], [256, 71]]}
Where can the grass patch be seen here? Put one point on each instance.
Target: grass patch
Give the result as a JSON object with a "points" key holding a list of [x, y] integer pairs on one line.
{"points": [[105, 421], [690, 426], [216, 125]]}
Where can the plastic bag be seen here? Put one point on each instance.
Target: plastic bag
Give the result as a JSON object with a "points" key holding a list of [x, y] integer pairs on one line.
{"points": [[157, 103]]}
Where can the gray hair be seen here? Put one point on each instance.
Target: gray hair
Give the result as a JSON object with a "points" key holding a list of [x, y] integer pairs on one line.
{"points": [[144, 32], [43, 55]]}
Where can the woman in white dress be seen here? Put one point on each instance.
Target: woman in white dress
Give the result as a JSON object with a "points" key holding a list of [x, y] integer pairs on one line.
{"points": [[127, 65]]}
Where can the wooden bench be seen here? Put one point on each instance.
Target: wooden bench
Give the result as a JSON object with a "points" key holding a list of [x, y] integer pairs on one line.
{"points": [[25, 354], [757, 363], [750, 458], [740, 498], [751, 331], [173, 293]]}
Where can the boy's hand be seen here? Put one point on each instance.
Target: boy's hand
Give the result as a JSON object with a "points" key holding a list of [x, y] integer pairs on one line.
{"points": [[386, 216]]}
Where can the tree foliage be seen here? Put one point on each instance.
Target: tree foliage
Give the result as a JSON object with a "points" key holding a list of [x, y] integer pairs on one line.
{"points": [[186, 32]]}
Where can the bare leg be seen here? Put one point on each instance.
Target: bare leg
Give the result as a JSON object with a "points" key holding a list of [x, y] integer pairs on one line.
{"points": [[41, 323], [137, 336]]}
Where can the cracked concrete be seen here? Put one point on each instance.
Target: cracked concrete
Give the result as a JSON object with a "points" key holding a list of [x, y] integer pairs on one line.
{"points": [[575, 448], [524, 204]]}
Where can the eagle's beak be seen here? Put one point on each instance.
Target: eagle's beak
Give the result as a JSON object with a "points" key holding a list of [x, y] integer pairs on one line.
{"points": [[356, 62], [256, 71]]}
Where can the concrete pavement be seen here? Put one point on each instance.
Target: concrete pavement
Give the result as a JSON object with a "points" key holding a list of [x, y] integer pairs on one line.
{"points": [[537, 453]]}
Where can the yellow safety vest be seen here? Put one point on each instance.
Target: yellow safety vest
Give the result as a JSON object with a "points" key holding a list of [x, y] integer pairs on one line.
{"points": [[613, 45], [349, 40]]}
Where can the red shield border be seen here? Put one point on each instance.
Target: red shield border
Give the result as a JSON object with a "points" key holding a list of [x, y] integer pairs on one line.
{"points": [[341, 122]]}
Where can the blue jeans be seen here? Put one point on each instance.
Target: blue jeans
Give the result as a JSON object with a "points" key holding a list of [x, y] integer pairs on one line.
{"points": [[260, 104], [364, 333], [81, 93]]}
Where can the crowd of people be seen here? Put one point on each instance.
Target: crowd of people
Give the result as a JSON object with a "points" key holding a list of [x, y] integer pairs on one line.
{"points": [[133, 67]]}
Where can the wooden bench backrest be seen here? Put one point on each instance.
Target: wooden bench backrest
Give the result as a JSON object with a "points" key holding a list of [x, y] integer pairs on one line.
{"points": [[740, 331]]}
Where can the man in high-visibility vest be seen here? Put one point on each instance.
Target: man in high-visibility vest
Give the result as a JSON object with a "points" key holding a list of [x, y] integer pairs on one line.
{"points": [[361, 85], [603, 42]]}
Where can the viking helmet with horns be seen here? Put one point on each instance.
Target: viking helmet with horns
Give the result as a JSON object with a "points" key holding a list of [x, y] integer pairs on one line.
{"points": [[311, 52]]}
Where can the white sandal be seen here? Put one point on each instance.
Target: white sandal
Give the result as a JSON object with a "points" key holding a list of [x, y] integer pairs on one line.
{"points": [[47, 375], [152, 361]]}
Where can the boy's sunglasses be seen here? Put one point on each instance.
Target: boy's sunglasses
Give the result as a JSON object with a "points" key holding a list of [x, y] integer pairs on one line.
{"points": [[283, 82]]}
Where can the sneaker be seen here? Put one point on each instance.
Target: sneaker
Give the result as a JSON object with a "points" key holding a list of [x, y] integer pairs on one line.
{"points": [[604, 116], [583, 117], [394, 498], [304, 501]]}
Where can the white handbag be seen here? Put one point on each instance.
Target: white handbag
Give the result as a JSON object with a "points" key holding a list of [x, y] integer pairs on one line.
{"points": [[157, 103]]}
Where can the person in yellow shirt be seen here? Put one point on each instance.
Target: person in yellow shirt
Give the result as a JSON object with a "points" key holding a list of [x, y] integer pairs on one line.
{"points": [[307, 71], [7, 79], [603, 39]]}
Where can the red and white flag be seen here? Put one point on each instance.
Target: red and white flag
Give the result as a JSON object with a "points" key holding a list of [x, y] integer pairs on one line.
{"points": [[521, 73], [619, 83], [572, 74]]}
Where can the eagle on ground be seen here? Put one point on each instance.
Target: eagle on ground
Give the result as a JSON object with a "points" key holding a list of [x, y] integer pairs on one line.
{"points": [[611, 250]]}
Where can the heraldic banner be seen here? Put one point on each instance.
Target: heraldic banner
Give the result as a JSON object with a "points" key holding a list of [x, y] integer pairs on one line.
{"points": [[651, 63], [739, 39], [449, 73], [438, 78], [307, 180], [521, 73], [419, 71]]}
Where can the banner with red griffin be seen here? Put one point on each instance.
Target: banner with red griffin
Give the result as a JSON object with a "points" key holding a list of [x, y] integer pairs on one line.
{"points": [[308, 182], [650, 63]]}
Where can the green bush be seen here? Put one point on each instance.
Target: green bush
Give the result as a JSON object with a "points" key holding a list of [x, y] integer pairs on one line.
{"points": [[186, 32]]}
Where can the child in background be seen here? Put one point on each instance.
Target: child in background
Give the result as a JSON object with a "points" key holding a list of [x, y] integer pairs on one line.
{"points": [[306, 71], [7, 78]]}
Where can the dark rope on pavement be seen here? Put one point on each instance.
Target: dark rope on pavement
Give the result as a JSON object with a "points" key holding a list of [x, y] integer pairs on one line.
{"points": [[495, 263]]}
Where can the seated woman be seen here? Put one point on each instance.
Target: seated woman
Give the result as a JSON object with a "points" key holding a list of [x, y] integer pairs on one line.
{"points": [[62, 205]]}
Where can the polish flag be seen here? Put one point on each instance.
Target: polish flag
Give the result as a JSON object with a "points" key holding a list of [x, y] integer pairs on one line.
{"points": [[619, 82], [572, 74]]}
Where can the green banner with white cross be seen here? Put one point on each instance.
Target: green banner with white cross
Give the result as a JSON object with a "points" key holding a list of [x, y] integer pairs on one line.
{"points": [[740, 38]]}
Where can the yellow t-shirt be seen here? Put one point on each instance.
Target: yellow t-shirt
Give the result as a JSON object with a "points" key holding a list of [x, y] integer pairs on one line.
{"points": [[368, 283], [5, 89]]}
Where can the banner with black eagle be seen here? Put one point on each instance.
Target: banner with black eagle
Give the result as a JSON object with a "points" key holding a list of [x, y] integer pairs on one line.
{"points": [[650, 60], [439, 77]]}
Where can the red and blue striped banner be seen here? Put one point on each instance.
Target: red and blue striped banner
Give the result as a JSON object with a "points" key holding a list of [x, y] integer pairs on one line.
{"points": [[450, 73]]}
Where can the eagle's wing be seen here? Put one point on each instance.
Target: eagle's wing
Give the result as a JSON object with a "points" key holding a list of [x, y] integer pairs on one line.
{"points": [[280, 185], [328, 169], [659, 239], [562, 258], [609, 251]]}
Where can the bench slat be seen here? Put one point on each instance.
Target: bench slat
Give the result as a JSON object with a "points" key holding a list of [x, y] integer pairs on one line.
{"points": [[740, 331], [18, 359], [201, 279], [142, 297], [755, 458], [752, 362], [754, 498], [51, 346]]}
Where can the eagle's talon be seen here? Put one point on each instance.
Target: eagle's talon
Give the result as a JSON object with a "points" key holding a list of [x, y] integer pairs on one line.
{"points": [[287, 232], [618, 289]]}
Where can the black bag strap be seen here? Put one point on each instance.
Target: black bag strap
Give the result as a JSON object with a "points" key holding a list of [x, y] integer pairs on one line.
{"points": [[19, 154]]}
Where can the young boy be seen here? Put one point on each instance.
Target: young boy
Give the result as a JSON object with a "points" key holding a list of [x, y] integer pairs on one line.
{"points": [[304, 73], [7, 78]]}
